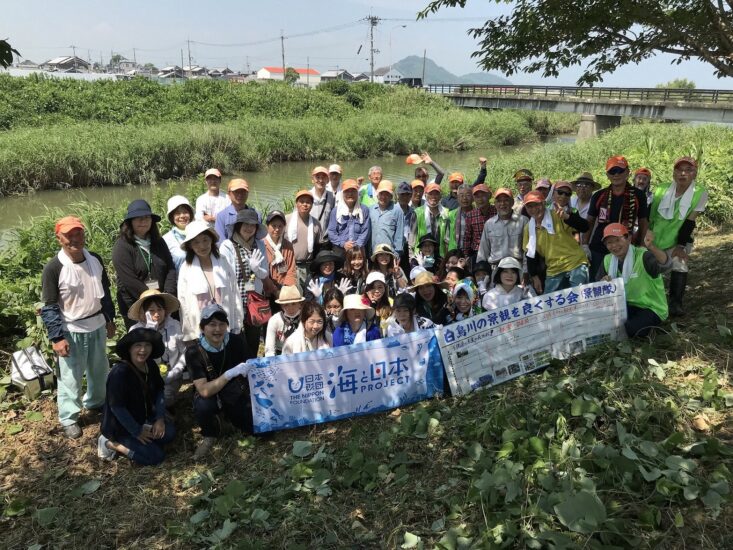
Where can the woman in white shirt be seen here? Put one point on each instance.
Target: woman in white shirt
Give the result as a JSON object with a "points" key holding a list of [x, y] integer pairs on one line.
{"points": [[180, 214], [311, 334], [206, 278], [507, 277]]}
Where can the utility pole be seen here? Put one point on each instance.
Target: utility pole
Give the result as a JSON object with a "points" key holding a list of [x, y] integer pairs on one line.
{"points": [[424, 53], [181, 61], [373, 21], [308, 71], [101, 62], [73, 48], [190, 73], [282, 50], [134, 57]]}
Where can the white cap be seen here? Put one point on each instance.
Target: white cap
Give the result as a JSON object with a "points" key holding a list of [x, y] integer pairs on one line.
{"points": [[375, 276], [334, 168]]}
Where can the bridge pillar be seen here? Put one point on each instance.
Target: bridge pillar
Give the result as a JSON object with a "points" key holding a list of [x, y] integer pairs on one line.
{"points": [[592, 125]]}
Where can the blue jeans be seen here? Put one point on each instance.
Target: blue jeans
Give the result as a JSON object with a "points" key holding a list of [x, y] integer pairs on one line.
{"points": [[567, 279], [148, 454]]}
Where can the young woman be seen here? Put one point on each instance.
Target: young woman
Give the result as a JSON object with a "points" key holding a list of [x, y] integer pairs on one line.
{"points": [[206, 278], [180, 214], [386, 262], [481, 277], [153, 310], [356, 323], [453, 258], [404, 320], [141, 258], [376, 296], [333, 303], [133, 422], [428, 256], [311, 334], [430, 300], [465, 302], [355, 269], [247, 256], [452, 276], [324, 276], [283, 323], [280, 257], [506, 291]]}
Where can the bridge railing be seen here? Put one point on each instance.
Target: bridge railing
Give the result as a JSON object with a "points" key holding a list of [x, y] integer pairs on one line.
{"points": [[574, 92]]}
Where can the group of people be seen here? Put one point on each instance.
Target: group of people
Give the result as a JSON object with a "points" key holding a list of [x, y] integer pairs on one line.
{"points": [[356, 260]]}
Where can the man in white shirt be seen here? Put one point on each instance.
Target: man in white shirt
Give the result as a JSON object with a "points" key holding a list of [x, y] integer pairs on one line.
{"points": [[213, 201], [323, 199]]}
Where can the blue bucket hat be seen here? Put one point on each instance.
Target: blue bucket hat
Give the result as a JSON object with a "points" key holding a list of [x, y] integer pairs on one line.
{"points": [[404, 188], [139, 208]]}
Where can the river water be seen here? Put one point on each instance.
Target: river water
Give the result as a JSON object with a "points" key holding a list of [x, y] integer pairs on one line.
{"points": [[266, 187]]}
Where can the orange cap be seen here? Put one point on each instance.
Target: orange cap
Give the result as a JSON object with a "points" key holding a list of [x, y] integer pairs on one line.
{"points": [[319, 170], [689, 160], [66, 224], [413, 159], [456, 176], [503, 191], [643, 170], [615, 230], [417, 183], [481, 188], [433, 187], [534, 196], [212, 172], [238, 183], [563, 183], [349, 184], [385, 185], [617, 162], [303, 193]]}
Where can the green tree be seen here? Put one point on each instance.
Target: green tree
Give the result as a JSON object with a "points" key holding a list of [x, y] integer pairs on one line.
{"points": [[291, 75], [6, 54], [679, 84], [547, 36]]}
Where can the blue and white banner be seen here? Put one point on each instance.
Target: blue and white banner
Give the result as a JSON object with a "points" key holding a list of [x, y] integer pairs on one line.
{"points": [[502, 344], [326, 385]]}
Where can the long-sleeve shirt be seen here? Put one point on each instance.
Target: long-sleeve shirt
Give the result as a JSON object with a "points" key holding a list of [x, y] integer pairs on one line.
{"points": [[300, 243], [387, 226], [502, 238], [225, 221], [475, 221], [322, 206], [349, 228]]}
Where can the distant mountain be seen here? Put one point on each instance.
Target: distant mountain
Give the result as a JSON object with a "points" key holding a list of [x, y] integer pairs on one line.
{"points": [[411, 67]]}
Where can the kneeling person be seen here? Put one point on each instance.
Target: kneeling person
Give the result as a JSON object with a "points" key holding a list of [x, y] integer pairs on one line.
{"points": [[218, 374], [641, 271]]}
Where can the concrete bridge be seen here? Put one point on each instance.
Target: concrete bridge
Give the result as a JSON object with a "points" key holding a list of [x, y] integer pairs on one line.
{"points": [[600, 108]]}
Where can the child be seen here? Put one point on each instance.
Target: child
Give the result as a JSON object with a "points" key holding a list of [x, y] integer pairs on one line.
{"points": [[355, 269], [333, 303], [428, 256], [506, 280], [376, 296], [430, 300], [452, 277], [404, 320], [465, 302], [153, 311], [453, 258], [356, 323], [646, 302], [386, 262], [284, 322], [481, 271], [324, 276], [311, 334]]}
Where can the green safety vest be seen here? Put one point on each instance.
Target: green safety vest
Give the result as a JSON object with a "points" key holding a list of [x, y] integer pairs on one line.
{"points": [[642, 290], [422, 229], [452, 217], [364, 197], [665, 231]]}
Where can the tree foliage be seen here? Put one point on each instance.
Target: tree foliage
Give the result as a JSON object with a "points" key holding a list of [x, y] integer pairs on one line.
{"points": [[601, 35], [678, 84], [291, 75]]}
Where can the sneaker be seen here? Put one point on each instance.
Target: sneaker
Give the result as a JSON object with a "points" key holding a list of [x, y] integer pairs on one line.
{"points": [[104, 452], [72, 431], [204, 448]]}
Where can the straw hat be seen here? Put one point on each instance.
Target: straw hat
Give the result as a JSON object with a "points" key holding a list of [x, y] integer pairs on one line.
{"points": [[170, 302], [289, 295], [383, 248], [353, 301], [426, 278]]}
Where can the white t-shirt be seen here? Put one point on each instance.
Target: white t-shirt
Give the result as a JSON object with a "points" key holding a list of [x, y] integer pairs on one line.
{"points": [[206, 204]]}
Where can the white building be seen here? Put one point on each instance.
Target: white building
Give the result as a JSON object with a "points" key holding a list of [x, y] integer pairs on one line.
{"points": [[387, 75], [306, 77]]}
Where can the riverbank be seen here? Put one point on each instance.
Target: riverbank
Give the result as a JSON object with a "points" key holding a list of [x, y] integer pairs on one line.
{"points": [[627, 446]]}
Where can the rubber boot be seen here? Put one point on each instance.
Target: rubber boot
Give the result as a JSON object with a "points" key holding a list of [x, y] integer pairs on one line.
{"points": [[677, 284]]}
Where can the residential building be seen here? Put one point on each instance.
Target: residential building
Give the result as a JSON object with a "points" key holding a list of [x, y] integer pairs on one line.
{"points": [[306, 77], [339, 74], [387, 75], [66, 64]]}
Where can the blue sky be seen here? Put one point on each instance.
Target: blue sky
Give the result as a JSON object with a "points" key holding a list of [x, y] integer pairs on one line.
{"points": [[41, 29]]}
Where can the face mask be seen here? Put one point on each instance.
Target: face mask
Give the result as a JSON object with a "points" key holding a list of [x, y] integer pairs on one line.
{"points": [[429, 261], [149, 323], [334, 318]]}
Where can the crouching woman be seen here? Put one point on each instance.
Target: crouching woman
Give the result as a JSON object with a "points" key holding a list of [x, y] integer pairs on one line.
{"points": [[134, 422], [219, 377]]}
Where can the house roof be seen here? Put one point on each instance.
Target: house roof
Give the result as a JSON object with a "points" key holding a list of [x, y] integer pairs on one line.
{"points": [[66, 59], [384, 70], [279, 70], [337, 73]]}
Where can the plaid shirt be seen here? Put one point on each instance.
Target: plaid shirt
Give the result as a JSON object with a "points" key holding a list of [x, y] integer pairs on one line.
{"points": [[475, 221]]}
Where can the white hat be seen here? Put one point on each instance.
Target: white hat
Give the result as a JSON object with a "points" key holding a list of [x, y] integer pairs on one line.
{"points": [[415, 271], [375, 276], [353, 301], [195, 228], [507, 263], [334, 168], [175, 201]]}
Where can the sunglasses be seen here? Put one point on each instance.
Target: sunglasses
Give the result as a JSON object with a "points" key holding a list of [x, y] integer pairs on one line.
{"points": [[615, 171], [564, 193]]}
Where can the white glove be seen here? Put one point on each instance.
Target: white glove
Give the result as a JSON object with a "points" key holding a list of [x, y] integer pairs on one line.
{"points": [[586, 249], [344, 285], [482, 285], [419, 258], [149, 323], [315, 288], [174, 374], [255, 259], [239, 370]]}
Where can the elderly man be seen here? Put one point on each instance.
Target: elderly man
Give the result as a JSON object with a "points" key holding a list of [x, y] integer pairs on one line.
{"points": [[323, 199], [387, 219], [430, 218], [418, 193], [476, 219], [620, 202], [368, 191], [674, 210], [334, 181], [549, 233], [305, 234], [523, 179], [502, 234], [238, 192], [457, 218], [404, 195], [422, 174], [79, 316], [349, 225], [643, 181], [584, 185], [213, 201]]}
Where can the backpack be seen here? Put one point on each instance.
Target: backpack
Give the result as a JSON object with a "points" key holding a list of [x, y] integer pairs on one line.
{"points": [[31, 373]]}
